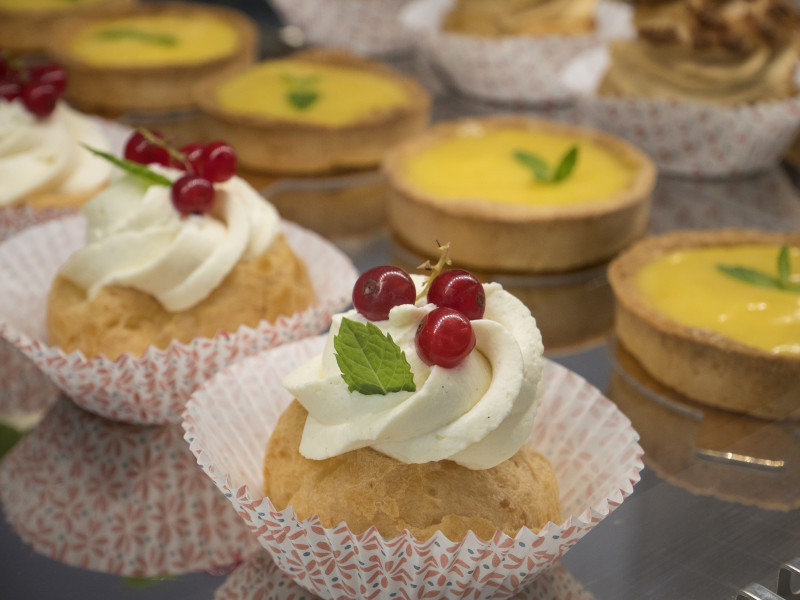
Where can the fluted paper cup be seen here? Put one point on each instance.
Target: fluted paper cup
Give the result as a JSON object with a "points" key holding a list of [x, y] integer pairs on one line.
{"points": [[153, 388], [370, 28], [521, 69], [685, 137], [257, 578], [117, 498], [592, 446]]}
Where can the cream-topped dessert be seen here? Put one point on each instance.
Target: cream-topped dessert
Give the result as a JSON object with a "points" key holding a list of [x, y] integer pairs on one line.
{"points": [[477, 414], [135, 238], [173, 255], [41, 159]]}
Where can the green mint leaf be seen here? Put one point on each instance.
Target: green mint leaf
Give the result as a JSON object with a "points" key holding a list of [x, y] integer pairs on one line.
{"points": [[131, 167], [566, 165], [128, 33], [370, 362], [535, 163], [302, 99], [761, 279], [784, 267]]}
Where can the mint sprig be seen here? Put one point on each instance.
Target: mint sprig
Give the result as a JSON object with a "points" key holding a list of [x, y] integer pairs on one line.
{"points": [[371, 362], [542, 171], [131, 167], [129, 33], [759, 278], [302, 92]]}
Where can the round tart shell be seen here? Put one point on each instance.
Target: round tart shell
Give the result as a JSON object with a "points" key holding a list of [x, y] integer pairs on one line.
{"points": [[494, 235], [705, 366], [32, 30], [114, 90], [286, 147]]}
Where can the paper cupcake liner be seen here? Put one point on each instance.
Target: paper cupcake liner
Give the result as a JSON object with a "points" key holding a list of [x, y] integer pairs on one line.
{"points": [[370, 28], [685, 137], [117, 498], [512, 69], [258, 578], [151, 389], [592, 446]]}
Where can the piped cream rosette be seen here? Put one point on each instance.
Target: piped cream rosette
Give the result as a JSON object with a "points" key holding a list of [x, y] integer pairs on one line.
{"points": [[516, 69], [476, 414], [41, 160]]}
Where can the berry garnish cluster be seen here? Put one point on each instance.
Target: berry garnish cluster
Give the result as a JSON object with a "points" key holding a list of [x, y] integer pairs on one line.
{"points": [[38, 86], [445, 336], [205, 165]]}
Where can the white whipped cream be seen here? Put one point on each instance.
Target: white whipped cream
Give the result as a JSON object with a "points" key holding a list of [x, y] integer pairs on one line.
{"points": [[137, 239], [477, 414], [44, 155]]}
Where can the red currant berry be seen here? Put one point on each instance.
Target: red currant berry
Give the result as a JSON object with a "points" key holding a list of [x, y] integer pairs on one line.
{"points": [[459, 290], [192, 194], [10, 90], [380, 289], [39, 98], [141, 150], [194, 157], [4, 67], [51, 73], [444, 337], [219, 162]]}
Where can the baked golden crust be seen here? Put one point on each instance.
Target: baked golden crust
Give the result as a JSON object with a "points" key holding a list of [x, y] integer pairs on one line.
{"points": [[490, 235], [31, 30], [520, 17], [705, 366], [365, 488], [59, 200], [113, 90], [280, 146], [120, 319]]}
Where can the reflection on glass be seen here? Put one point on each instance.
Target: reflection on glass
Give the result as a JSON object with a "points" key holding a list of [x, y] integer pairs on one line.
{"points": [[706, 450], [117, 498]]}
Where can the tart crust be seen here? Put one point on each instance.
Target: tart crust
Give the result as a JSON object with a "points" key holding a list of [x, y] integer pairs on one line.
{"points": [[705, 366], [31, 30], [279, 146], [491, 235], [114, 90]]}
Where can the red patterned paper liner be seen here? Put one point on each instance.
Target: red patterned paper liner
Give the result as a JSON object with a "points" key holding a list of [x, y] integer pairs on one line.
{"points": [[151, 389], [258, 578], [518, 70], [117, 498], [685, 137], [591, 444], [370, 28]]}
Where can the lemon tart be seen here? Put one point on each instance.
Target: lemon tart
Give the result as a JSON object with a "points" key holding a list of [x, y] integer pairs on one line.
{"points": [[313, 112], [148, 59], [27, 25], [497, 189], [716, 316]]}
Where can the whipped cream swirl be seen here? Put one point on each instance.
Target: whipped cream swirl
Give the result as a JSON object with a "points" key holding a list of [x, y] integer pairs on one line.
{"points": [[477, 414], [137, 239], [44, 155]]}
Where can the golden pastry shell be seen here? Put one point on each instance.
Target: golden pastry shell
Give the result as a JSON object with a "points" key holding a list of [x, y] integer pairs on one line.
{"points": [[515, 237], [705, 366]]}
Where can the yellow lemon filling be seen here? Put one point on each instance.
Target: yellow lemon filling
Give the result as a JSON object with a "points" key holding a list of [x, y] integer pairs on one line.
{"points": [[153, 40], [294, 90], [480, 164], [688, 287], [39, 5]]}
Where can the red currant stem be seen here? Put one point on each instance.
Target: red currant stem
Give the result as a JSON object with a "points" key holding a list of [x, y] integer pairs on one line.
{"points": [[434, 270], [157, 141]]}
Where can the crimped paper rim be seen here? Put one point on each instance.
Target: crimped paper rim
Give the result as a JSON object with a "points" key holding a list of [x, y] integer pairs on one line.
{"points": [[503, 563], [118, 389]]}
